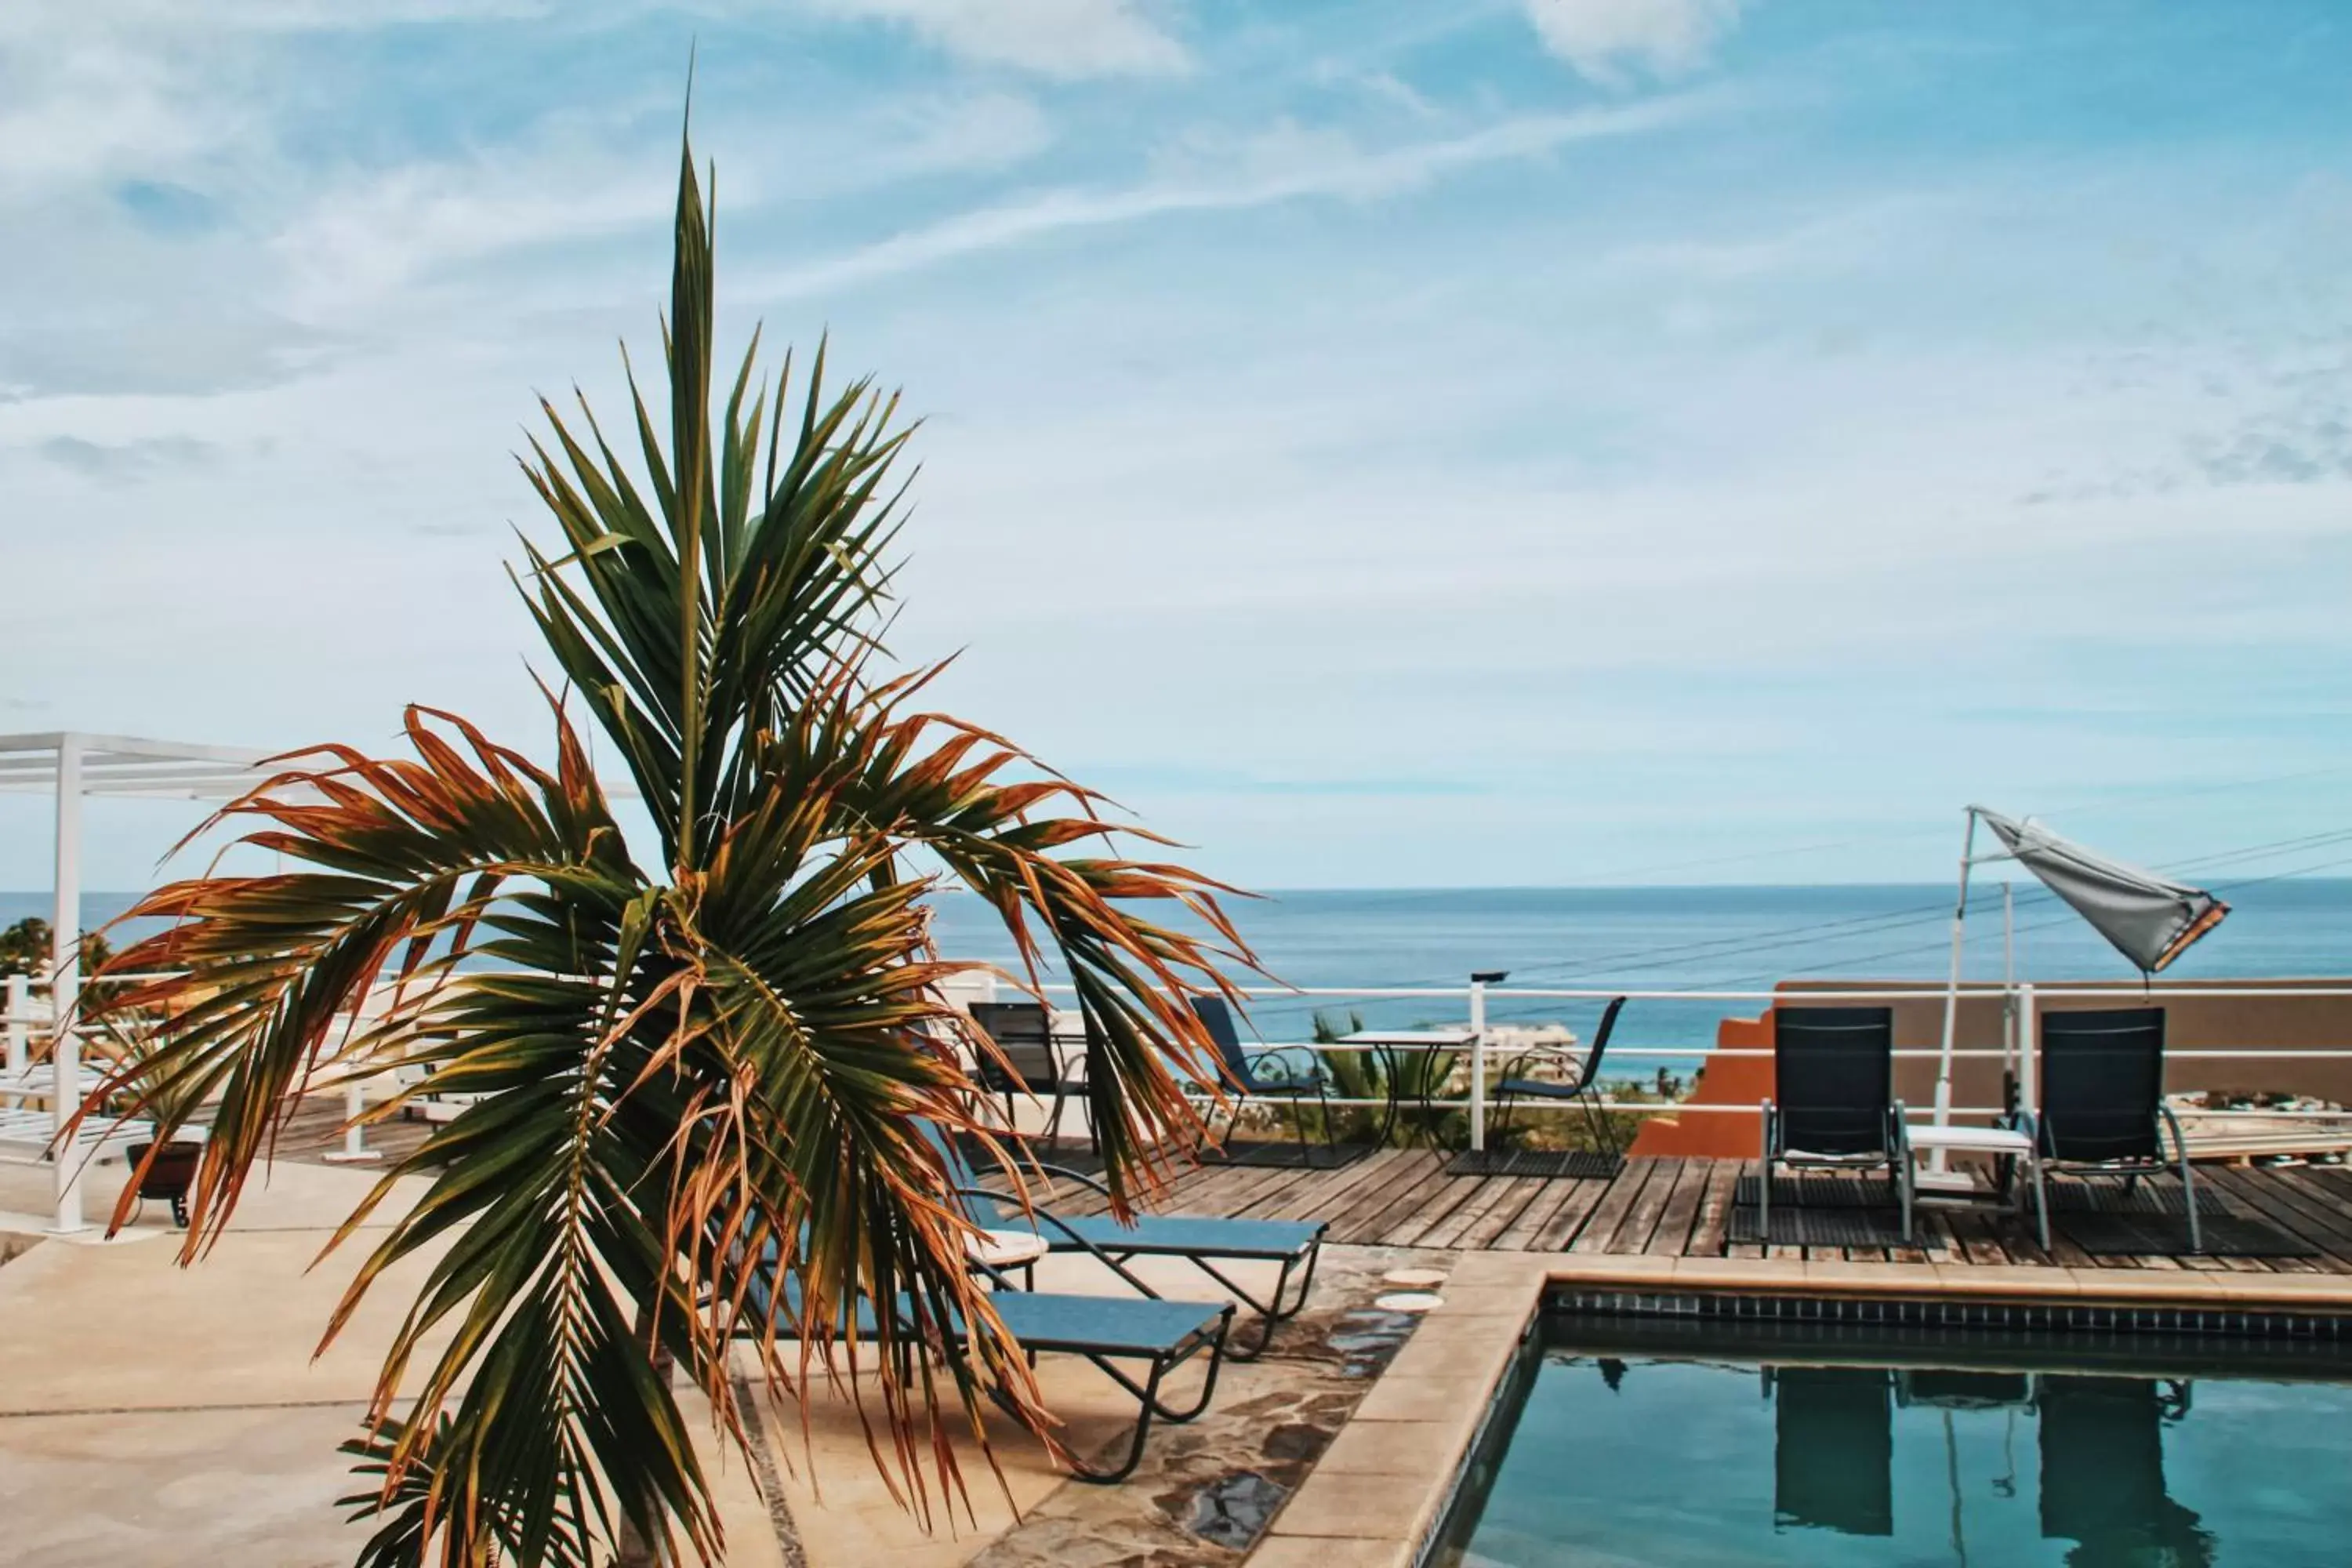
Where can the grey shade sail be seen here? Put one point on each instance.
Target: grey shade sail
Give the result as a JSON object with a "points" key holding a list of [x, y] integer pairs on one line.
{"points": [[2150, 920]]}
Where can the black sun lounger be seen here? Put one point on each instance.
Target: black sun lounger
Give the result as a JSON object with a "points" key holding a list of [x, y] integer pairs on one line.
{"points": [[2102, 1106], [1833, 1100]]}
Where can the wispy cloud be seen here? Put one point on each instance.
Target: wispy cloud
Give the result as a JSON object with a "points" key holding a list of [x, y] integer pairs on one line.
{"points": [[124, 462], [1285, 165], [1609, 41], [1061, 39], [374, 235]]}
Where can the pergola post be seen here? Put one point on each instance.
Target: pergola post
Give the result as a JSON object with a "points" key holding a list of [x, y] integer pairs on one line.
{"points": [[64, 986]]}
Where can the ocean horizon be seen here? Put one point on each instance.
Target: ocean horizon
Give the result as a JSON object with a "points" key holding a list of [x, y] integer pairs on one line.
{"points": [[1732, 937]]}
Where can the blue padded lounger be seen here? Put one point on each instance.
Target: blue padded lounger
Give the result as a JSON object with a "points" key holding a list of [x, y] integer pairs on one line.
{"points": [[1203, 1240], [1105, 1329]]}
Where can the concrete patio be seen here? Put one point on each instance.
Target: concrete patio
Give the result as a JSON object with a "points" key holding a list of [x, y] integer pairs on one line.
{"points": [[153, 1415]]}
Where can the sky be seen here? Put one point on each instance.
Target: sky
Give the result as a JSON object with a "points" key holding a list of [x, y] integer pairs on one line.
{"points": [[1384, 444]]}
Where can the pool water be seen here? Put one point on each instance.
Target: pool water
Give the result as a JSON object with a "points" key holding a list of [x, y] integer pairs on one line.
{"points": [[1637, 1446]]}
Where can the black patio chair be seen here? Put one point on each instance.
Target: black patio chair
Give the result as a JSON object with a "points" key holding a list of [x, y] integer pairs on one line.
{"points": [[1581, 1084], [1247, 1076], [2101, 1109], [1033, 1064], [1833, 1104]]}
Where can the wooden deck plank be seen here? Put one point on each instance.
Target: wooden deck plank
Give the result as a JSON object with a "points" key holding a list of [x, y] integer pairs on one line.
{"points": [[1713, 1219], [1556, 1193], [1263, 1202], [1242, 1190], [1357, 1218], [1647, 1218], [1495, 1193], [1504, 1213], [1567, 1222], [1398, 1176], [2281, 1204], [1405, 1200], [1321, 1200], [1640, 1222], [1601, 1230], [1670, 1238], [1974, 1237], [1437, 1205], [2330, 1222], [1222, 1188]]}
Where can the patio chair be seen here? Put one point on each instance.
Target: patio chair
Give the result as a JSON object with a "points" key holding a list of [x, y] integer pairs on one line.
{"points": [[1032, 1064], [1582, 1085], [1246, 1073], [2102, 1106], [1203, 1240], [1834, 1105], [1105, 1329]]}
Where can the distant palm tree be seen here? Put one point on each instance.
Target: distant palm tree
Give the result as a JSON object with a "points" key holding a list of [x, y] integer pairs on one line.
{"points": [[691, 1071], [25, 949]]}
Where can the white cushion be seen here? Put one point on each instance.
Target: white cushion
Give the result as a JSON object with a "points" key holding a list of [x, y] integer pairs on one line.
{"points": [[1007, 1248], [1981, 1140]]}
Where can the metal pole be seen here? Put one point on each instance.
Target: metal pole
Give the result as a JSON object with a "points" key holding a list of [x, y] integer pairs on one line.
{"points": [[1477, 1063], [64, 986], [1936, 1159]]}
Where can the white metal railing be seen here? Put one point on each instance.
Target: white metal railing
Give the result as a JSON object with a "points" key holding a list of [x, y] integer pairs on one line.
{"points": [[2019, 1000], [27, 1018]]}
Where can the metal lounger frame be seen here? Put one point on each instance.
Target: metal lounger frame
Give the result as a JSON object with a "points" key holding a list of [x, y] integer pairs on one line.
{"points": [[1101, 1353], [1271, 1313], [1897, 1156]]}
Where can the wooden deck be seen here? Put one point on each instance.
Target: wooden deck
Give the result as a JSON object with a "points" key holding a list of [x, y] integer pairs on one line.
{"points": [[1670, 1207], [1681, 1208]]}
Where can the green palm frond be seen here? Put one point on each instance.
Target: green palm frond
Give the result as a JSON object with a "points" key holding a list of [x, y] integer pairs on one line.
{"points": [[686, 1080]]}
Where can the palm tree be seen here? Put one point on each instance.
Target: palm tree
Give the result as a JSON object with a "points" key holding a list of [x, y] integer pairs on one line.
{"points": [[691, 1073]]}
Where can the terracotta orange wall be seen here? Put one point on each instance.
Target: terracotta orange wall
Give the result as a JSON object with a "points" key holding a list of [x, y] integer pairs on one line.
{"points": [[1737, 1085]]}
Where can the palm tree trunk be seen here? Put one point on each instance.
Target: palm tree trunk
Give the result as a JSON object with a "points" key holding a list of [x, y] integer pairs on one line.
{"points": [[635, 1549]]}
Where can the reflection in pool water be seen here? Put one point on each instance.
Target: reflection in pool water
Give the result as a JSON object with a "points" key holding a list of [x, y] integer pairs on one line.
{"points": [[1681, 1462]]}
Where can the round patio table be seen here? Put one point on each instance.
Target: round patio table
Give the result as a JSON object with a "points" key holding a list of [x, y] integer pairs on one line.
{"points": [[1394, 1046]]}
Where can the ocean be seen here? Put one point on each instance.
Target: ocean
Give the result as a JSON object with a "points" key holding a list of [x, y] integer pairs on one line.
{"points": [[1698, 938], [1662, 939]]}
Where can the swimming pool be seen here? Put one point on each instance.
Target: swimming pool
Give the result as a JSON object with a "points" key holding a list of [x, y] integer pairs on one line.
{"points": [[1683, 1446]]}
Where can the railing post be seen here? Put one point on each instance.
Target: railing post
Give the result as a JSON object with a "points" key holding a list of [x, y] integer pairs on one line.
{"points": [[64, 986], [1478, 1061], [354, 1151], [20, 1024], [2025, 1043]]}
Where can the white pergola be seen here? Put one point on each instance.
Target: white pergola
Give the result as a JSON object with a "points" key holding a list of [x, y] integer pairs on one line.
{"points": [[72, 766]]}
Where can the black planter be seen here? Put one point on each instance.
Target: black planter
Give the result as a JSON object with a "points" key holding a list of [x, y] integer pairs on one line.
{"points": [[171, 1175]]}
